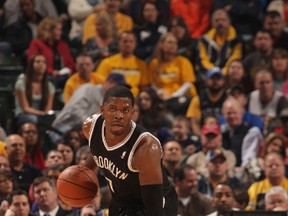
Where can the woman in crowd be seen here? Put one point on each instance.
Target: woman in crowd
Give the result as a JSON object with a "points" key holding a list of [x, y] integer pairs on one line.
{"points": [[149, 30], [59, 59], [236, 76], [274, 143], [74, 139], [186, 45], [279, 68], [104, 43], [34, 154], [67, 152], [153, 115], [172, 75], [34, 93]]}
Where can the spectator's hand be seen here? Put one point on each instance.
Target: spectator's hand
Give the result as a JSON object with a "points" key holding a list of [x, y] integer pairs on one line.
{"points": [[99, 7], [163, 94], [3, 207], [55, 73], [9, 212], [279, 208], [64, 17]]}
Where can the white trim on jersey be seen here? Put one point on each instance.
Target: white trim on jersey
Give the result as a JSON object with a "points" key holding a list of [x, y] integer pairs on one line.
{"points": [[129, 162]]}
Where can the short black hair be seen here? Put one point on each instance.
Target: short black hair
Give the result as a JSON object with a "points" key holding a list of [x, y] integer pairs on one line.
{"points": [[17, 192], [118, 91], [272, 14], [179, 172]]}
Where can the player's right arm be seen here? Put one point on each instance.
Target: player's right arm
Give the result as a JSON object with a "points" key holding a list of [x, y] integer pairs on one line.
{"points": [[86, 128]]}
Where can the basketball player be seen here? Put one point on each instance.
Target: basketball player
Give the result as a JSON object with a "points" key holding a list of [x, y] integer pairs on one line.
{"points": [[130, 158]]}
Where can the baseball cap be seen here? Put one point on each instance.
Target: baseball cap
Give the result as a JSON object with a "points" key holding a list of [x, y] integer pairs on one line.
{"points": [[214, 71], [212, 129], [215, 153], [119, 79]]}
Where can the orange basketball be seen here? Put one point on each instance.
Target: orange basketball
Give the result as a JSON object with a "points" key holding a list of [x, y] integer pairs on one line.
{"points": [[77, 186]]}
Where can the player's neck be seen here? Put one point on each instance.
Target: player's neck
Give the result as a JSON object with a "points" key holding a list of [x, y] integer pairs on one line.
{"points": [[115, 139]]}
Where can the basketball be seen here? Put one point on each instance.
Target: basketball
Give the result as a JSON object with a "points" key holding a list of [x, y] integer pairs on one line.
{"points": [[77, 186]]}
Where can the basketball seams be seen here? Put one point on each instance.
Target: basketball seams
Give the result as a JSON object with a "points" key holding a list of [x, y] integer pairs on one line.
{"points": [[78, 185], [92, 180]]}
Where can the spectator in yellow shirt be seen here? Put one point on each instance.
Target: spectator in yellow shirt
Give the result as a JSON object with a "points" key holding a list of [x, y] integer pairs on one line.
{"points": [[171, 74], [274, 176], [123, 22], [84, 74], [126, 63]]}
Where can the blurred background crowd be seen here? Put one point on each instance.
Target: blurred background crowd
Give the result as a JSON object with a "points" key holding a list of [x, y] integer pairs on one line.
{"points": [[210, 82]]}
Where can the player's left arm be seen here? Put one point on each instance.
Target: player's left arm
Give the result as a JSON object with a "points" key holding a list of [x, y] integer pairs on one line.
{"points": [[147, 159]]}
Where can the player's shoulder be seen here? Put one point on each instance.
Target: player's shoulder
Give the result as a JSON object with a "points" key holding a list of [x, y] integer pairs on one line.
{"points": [[88, 123], [150, 144]]}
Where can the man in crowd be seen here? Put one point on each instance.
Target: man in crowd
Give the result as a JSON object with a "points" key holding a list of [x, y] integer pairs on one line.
{"points": [[209, 101], [211, 139], [276, 199], [223, 200], [243, 140], [85, 74], [220, 45], [18, 202], [261, 57], [274, 176], [45, 193], [191, 202], [172, 156], [217, 167], [265, 101], [126, 63], [274, 23], [23, 173]]}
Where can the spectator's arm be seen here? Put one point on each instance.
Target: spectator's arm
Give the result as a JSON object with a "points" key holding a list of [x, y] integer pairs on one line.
{"points": [[79, 10], [236, 54], [204, 57], [251, 144], [194, 113]]}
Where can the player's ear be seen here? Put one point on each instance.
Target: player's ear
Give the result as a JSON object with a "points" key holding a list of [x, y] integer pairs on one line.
{"points": [[101, 109]]}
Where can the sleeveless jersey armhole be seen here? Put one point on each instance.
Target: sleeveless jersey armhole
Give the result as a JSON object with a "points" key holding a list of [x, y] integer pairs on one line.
{"points": [[129, 162], [94, 120]]}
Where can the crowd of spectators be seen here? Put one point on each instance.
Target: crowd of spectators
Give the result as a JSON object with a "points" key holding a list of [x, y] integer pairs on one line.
{"points": [[210, 80]]}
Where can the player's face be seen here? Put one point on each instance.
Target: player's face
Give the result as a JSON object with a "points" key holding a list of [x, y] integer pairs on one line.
{"points": [[118, 112], [20, 205]]}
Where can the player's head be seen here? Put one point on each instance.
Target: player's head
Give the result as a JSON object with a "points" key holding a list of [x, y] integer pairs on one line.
{"points": [[118, 92], [117, 109]]}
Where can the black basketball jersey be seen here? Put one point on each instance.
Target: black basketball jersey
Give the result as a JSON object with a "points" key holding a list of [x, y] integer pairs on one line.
{"points": [[116, 161]]}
